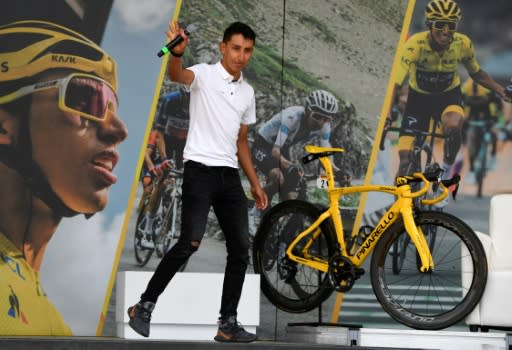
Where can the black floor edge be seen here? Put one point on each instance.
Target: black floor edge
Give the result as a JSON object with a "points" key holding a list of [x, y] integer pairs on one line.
{"points": [[103, 343]]}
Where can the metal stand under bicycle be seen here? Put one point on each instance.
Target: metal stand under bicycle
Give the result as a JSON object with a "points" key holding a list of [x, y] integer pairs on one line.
{"points": [[344, 333], [324, 332]]}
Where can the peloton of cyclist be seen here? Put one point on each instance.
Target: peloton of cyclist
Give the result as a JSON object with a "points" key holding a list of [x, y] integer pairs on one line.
{"points": [[480, 104], [297, 124], [430, 60], [166, 139]]}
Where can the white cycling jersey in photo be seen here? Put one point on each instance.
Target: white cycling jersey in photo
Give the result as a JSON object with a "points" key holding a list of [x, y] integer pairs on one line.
{"points": [[282, 129]]}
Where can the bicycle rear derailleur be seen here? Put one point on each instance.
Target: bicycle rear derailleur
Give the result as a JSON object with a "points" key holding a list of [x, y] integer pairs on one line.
{"points": [[342, 273]]}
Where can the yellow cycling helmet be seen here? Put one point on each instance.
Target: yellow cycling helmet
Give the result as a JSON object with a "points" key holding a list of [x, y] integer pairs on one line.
{"points": [[443, 10], [31, 47]]}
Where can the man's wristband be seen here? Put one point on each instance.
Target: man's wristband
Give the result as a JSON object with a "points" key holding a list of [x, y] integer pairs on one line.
{"points": [[176, 54]]}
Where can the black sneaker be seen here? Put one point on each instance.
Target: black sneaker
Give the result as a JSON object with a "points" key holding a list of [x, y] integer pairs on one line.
{"points": [[140, 316], [232, 331]]}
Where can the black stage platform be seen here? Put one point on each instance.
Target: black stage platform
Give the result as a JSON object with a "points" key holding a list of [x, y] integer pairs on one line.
{"points": [[101, 343]]}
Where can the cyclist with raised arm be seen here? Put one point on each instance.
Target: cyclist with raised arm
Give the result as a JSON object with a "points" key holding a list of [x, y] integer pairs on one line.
{"points": [[222, 106], [297, 124], [430, 60], [480, 105]]}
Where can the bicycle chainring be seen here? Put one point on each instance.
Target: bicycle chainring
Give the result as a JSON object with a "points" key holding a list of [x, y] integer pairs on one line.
{"points": [[342, 273]]}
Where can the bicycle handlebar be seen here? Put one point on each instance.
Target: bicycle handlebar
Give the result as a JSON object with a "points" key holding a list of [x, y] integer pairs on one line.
{"points": [[433, 175], [444, 185], [173, 172], [453, 181], [416, 132], [384, 133]]}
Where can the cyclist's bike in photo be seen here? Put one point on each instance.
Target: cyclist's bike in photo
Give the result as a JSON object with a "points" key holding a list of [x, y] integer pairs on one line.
{"points": [[480, 142], [166, 223], [481, 107], [421, 159], [300, 269]]}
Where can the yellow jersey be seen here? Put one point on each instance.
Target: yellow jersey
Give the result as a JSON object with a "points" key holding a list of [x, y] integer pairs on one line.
{"points": [[24, 307], [430, 71]]}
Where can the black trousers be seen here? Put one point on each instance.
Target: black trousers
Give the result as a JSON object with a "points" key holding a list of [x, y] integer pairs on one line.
{"points": [[204, 187]]}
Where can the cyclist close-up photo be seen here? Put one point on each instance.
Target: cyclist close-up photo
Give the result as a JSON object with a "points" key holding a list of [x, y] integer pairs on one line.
{"points": [[60, 133]]}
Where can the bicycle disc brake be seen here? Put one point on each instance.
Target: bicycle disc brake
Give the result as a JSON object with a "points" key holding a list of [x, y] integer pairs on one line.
{"points": [[342, 273]]}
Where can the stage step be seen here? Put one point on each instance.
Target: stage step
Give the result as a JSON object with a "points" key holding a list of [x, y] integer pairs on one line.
{"points": [[77, 343]]}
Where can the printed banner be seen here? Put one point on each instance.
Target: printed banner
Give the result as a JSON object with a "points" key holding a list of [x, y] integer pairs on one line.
{"points": [[70, 96]]}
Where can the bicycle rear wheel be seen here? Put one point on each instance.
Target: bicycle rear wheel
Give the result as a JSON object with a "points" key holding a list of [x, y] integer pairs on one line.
{"points": [[440, 298], [290, 286], [142, 255]]}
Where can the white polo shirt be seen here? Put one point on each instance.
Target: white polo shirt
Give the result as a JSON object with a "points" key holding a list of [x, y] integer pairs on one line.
{"points": [[217, 108]]}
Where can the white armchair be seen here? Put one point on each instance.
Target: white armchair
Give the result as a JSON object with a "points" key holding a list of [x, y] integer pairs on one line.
{"points": [[495, 308]]}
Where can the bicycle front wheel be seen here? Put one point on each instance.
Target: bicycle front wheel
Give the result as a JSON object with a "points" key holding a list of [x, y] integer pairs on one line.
{"points": [[399, 252], [440, 298], [290, 286]]}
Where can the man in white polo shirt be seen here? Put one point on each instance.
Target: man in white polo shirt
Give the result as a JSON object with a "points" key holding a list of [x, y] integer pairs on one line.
{"points": [[222, 105]]}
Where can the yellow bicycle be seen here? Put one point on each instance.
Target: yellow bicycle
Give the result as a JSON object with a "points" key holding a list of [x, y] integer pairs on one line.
{"points": [[302, 255]]}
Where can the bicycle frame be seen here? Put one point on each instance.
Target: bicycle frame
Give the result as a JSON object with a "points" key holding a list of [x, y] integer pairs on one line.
{"points": [[175, 195], [168, 186], [402, 207]]}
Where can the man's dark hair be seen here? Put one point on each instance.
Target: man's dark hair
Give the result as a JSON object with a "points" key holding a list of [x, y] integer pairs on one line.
{"points": [[239, 28]]}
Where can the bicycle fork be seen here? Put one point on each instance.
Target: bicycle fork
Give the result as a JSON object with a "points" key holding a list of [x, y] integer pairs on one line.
{"points": [[418, 238]]}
